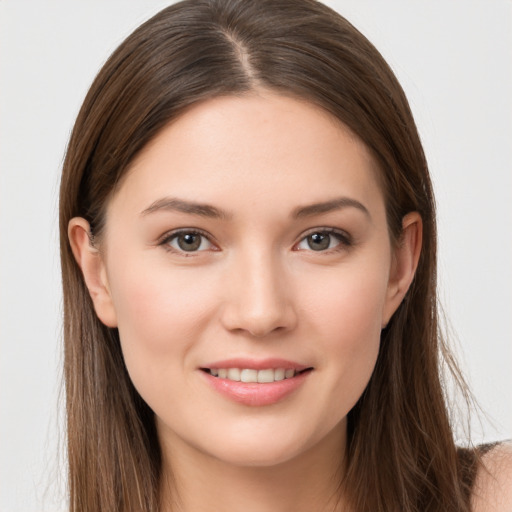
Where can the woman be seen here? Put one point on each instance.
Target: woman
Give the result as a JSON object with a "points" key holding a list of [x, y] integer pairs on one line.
{"points": [[248, 255]]}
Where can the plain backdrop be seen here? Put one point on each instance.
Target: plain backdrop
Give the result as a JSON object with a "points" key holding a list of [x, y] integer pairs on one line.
{"points": [[454, 60]]}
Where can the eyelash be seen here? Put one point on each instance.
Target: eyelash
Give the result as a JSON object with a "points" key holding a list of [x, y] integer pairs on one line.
{"points": [[344, 239], [168, 237]]}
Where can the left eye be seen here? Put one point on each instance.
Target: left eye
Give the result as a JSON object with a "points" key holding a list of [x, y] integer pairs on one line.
{"points": [[322, 241], [188, 241]]}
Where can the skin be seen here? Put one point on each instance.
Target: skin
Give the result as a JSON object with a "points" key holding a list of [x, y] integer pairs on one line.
{"points": [[254, 289], [492, 490]]}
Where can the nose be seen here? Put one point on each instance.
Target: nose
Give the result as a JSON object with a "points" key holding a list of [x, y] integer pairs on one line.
{"points": [[259, 297]]}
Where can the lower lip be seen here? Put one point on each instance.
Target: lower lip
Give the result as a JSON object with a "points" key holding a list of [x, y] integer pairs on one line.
{"points": [[256, 394]]}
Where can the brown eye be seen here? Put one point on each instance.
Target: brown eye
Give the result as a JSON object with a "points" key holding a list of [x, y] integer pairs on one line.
{"points": [[318, 241], [324, 240], [188, 241]]}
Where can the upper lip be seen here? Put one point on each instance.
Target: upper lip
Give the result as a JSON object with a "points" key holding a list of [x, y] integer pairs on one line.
{"points": [[257, 364]]}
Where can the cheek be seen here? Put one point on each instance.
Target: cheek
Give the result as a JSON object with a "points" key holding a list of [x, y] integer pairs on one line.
{"points": [[158, 304], [347, 316], [349, 303], [161, 317]]}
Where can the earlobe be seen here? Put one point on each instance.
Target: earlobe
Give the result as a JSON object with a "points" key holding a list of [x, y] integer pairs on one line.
{"points": [[405, 262], [91, 263]]}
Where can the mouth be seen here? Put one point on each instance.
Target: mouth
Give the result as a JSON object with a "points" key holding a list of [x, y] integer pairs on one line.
{"points": [[256, 382], [251, 375]]}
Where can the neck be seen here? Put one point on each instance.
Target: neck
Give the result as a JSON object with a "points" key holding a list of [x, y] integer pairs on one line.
{"points": [[195, 481]]}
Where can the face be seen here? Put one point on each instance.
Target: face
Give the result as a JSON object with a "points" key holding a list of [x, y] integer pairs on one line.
{"points": [[247, 264]]}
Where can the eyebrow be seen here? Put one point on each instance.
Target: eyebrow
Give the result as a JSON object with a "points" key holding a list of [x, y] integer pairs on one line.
{"points": [[207, 210], [191, 207], [329, 206]]}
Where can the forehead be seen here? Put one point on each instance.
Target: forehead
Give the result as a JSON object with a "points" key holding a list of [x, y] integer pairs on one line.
{"points": [[254, 150]]}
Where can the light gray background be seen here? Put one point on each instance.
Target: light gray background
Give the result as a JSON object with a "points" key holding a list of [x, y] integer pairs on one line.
{"points": [[454, 59]]}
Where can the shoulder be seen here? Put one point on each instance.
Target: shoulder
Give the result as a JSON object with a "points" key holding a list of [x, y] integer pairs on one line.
{"points": [[492, 491]]}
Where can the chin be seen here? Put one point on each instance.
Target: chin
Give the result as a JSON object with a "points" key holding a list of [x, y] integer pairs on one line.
{"points": [[267, 447], [259, 456]]}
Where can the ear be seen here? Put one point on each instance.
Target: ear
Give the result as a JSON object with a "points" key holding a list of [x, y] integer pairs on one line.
{"points": [[91, 263], [404, 263]]}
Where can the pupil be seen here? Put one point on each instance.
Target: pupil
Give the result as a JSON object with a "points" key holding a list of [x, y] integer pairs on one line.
{"points": [[318, 241], [189, 242]]}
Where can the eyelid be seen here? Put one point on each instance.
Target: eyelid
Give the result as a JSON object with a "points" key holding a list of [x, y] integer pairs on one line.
{"points": [[169, 235], [345, 239]]}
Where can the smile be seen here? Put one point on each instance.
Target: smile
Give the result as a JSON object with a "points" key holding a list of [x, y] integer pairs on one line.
{"points": [[256, 383], [250, 375]]}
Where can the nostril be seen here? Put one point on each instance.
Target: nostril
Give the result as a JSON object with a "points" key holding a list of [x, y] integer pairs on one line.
{"points": [[258, 314]]}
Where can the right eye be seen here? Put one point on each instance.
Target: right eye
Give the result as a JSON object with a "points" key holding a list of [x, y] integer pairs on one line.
{"points": [[187, 242]]}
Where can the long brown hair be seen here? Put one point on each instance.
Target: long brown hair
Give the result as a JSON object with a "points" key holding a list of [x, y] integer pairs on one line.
{"points": [[401, 452]]}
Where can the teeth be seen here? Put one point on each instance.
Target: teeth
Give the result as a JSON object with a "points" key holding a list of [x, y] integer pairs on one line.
{"points": [[266, 376], [279, 374], [234, 374], [250, 375], [288, 374]]}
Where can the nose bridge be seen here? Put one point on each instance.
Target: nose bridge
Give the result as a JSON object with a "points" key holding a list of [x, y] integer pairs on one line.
{"points": [[259, 300]]}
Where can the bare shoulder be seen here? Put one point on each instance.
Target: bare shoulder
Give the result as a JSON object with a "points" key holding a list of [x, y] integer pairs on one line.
{"points": [[492, 490]]}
